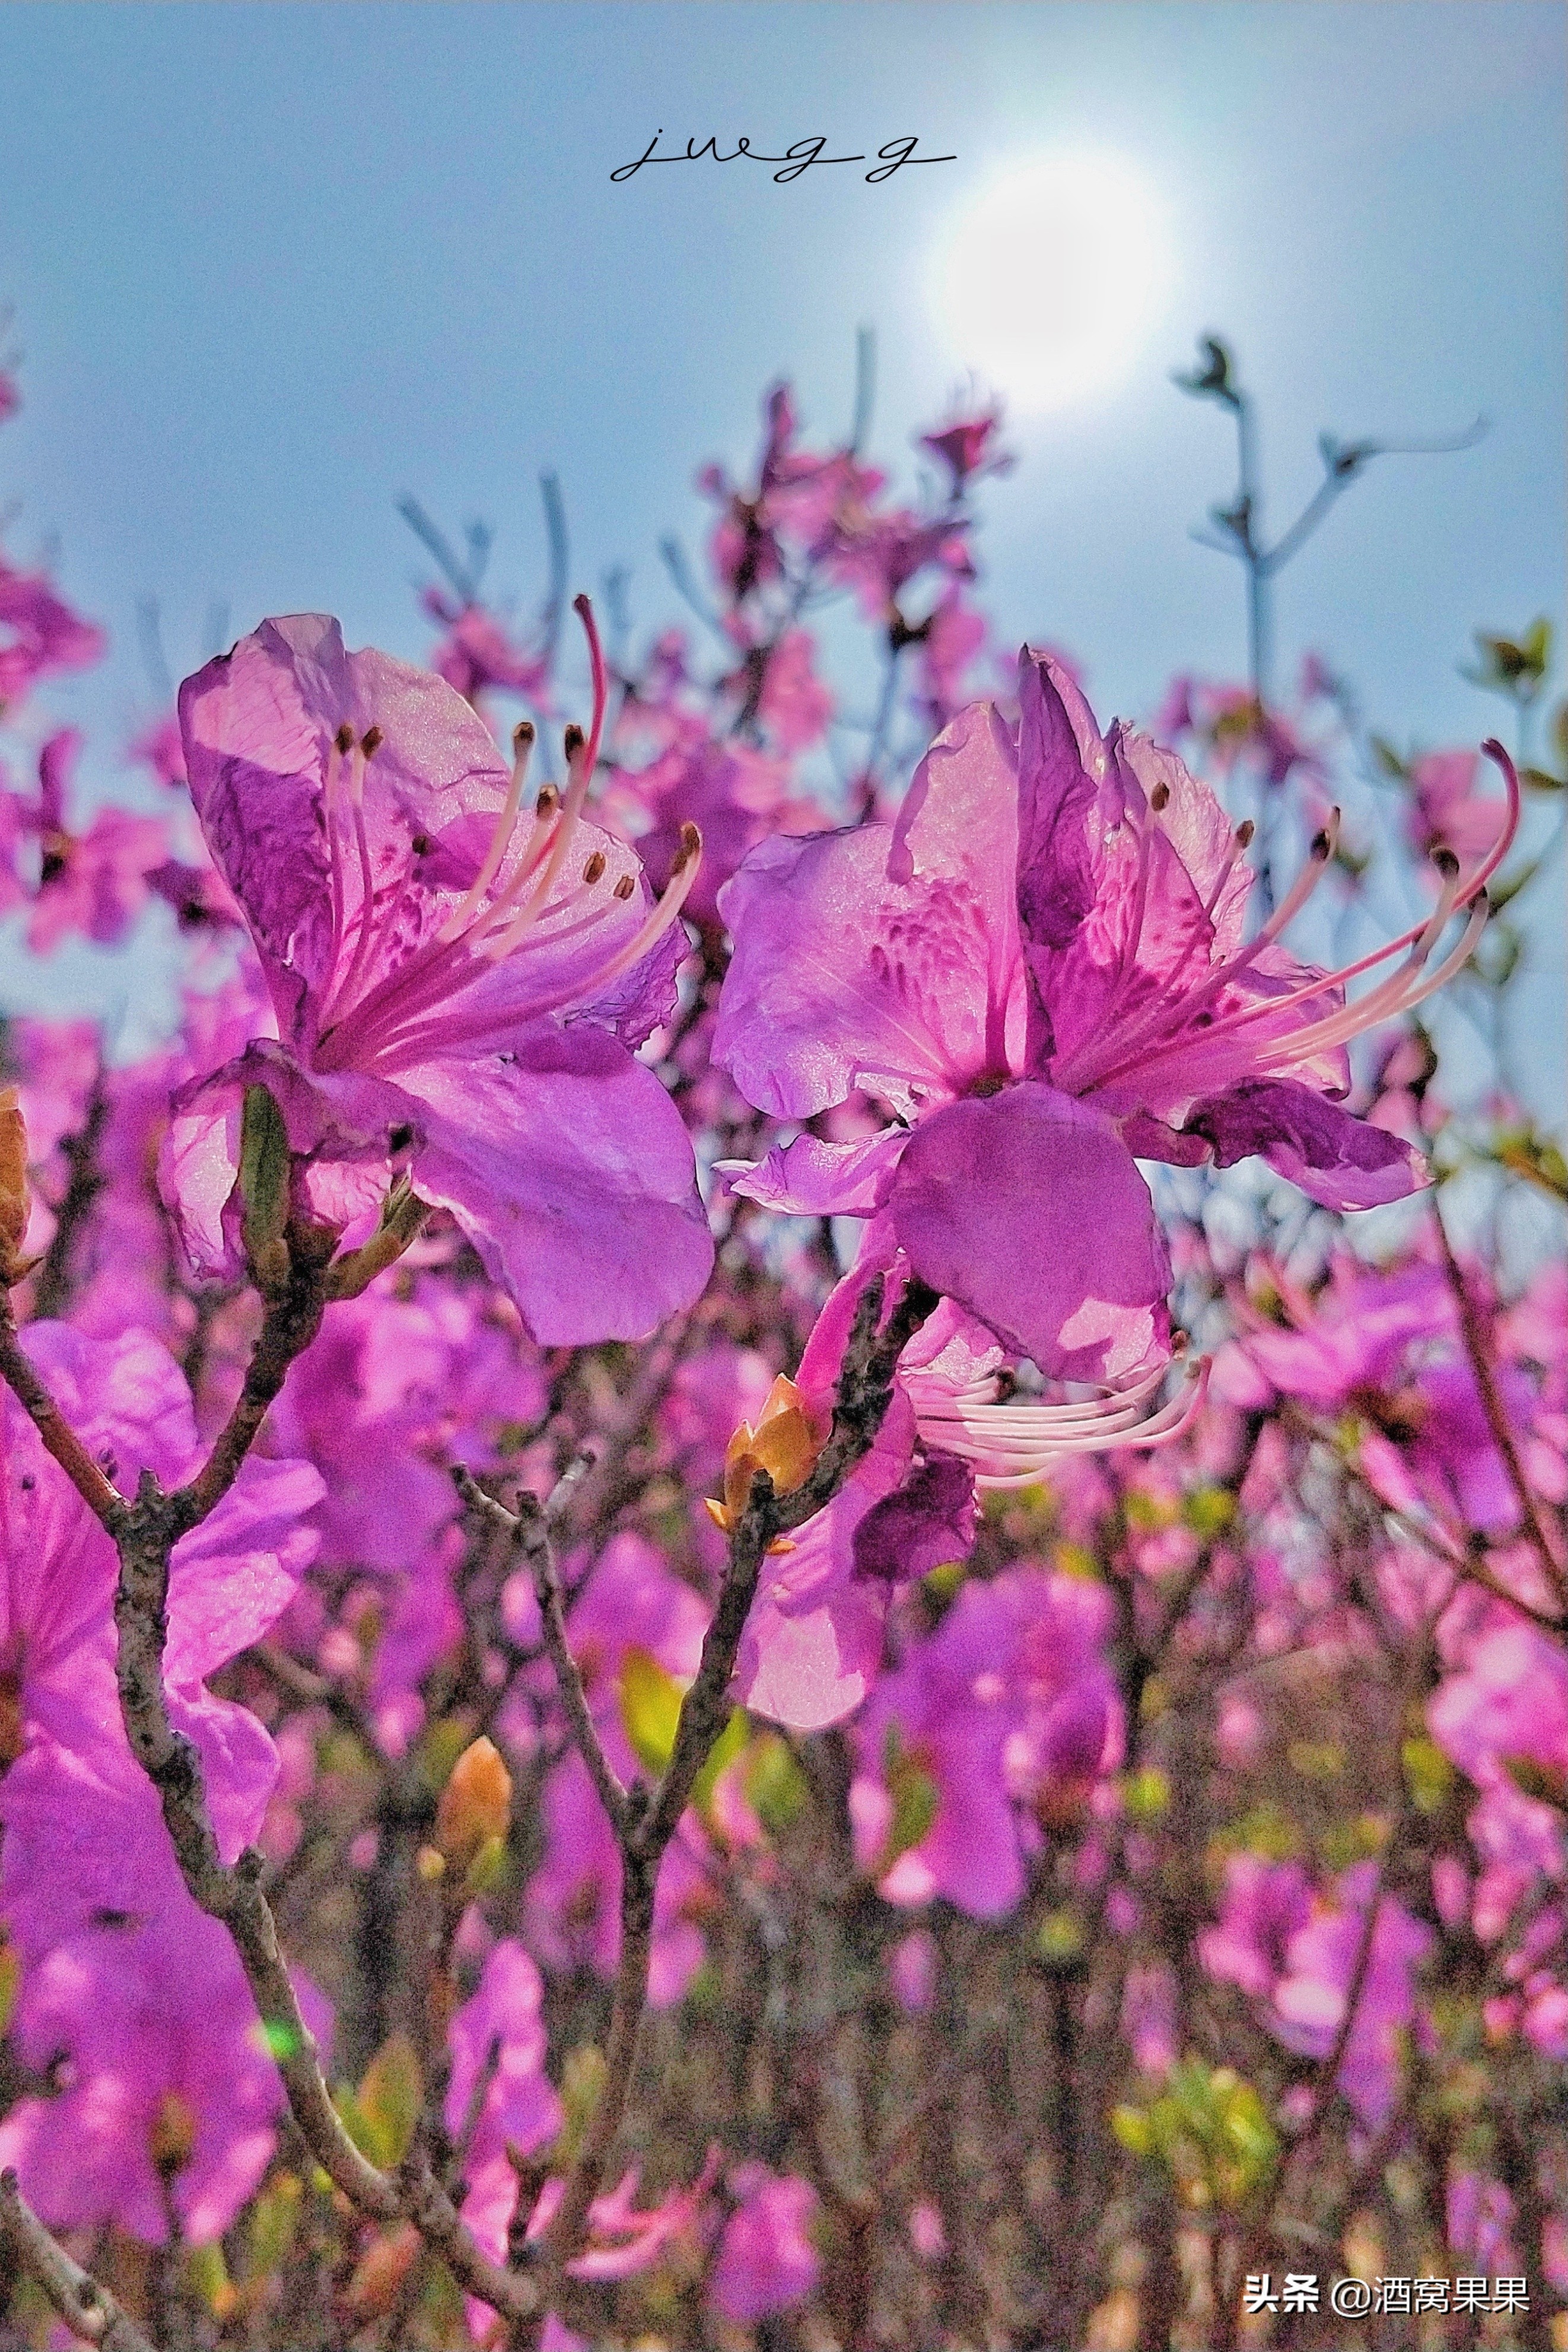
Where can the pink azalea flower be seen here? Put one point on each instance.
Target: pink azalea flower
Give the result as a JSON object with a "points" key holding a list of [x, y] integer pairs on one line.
{"points": [[477, 654], [162, 2070], [1009, 1699], [1444, 810], [144, 1993], [1308, 1999], [813, 1640], [458, 984], [766, 2260], [93, 882], [158, 747], [38, 634], [965, 447], [642, 2233], [1040, 970], [498, 2040]]}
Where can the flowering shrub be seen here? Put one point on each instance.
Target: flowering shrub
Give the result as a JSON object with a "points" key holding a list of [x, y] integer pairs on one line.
{"points": [[739, 1608]]}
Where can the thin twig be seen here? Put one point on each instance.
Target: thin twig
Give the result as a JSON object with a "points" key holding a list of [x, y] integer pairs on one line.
{"points": [[530, 1538], [88, 2310], [649, 1823], [59, 1439], [1474, 1338]]}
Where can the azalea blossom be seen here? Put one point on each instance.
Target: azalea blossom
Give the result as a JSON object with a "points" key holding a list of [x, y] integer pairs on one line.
{"points": [[813, 1642], [1041, 968], [459, 977]]}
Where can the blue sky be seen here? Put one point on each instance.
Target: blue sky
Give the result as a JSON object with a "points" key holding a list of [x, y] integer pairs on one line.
{"points": [[273, 266]]}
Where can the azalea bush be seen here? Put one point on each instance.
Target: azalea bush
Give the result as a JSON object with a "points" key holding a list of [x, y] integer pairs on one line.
{"points": [[783, 1530]]}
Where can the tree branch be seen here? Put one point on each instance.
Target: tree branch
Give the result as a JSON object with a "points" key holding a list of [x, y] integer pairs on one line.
{"points": [[88, 2310]]}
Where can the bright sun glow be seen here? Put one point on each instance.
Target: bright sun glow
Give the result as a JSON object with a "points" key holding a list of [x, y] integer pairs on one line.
{"points": [[1050, 284]]}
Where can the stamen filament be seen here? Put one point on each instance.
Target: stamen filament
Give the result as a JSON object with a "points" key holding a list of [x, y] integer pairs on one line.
{"points": [[501, 839], [1006, 1455]]}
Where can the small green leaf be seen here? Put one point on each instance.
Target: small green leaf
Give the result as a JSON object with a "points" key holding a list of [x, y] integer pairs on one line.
{"points": [[1428, 1775], [650, 1707], [390, 2099], [1209, 1511], [10, 1982], [1133, 2128], [1059, 1939], [275, 2217], [731, 1740], [775, 1785], [1146, 1794], [916, 1800], [279, 2038]]}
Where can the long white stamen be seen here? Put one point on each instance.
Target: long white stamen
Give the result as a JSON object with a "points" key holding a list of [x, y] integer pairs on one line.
{"points": [[1013, 1446], [501, 839]]}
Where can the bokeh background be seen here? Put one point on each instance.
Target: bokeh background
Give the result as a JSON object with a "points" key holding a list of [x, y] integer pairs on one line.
{"points": [[271, 268]]}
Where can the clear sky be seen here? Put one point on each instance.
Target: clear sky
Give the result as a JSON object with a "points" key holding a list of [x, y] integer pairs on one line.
{"points": [[273, 266]]}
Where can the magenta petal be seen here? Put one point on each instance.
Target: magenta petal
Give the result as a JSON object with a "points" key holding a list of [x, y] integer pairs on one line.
{"points": [[1343, 1161], [812, 1178], [1030, 1211], [568, 1168]]}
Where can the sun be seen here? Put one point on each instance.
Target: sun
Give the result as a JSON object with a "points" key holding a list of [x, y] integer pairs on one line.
{"points": [[1050, 284]]}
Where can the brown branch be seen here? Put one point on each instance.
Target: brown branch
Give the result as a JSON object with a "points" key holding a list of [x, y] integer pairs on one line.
{"points": [[649, 1823], [59, 1439], [291, 1321], [88, 2310], [1474, 1338], [529, 1536], [53, 1287], [145, 1533]]}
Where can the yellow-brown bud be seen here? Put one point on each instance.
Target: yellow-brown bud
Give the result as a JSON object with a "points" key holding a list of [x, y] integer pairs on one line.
{"points": [[785, 1443], [171, 2135], [15, 1201], [475, 1804]]}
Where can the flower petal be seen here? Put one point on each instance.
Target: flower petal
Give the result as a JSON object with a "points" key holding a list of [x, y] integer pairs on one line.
{"points": [[567, 1167], [1343, 1161], [1030, 1211]]}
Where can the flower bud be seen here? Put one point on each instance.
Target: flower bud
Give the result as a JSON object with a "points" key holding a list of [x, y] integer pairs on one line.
{"points": [[785, 1443], [171, 2135], [14, 1203], [475, 1804]]}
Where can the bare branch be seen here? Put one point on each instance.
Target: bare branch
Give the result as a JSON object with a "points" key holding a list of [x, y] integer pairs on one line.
{"points": [[59, 1439], [88, 2310], [529, 1536]]}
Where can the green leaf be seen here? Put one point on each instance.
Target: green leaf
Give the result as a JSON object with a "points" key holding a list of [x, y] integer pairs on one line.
{"points": [[1061, 1938], [279, 2038], [207, 2274], [390, 2099], [1132, 2127], [650, 1707], [731, 1740], [916, 1800], [10, 1982], [775, 1785], [581, 2088], [1146, 1794], [1209, 1511], [275, 2217], [1428, 1775]]}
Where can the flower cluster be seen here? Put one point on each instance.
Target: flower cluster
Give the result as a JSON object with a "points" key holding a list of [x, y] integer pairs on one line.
{"points": [[703, 1639]]}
